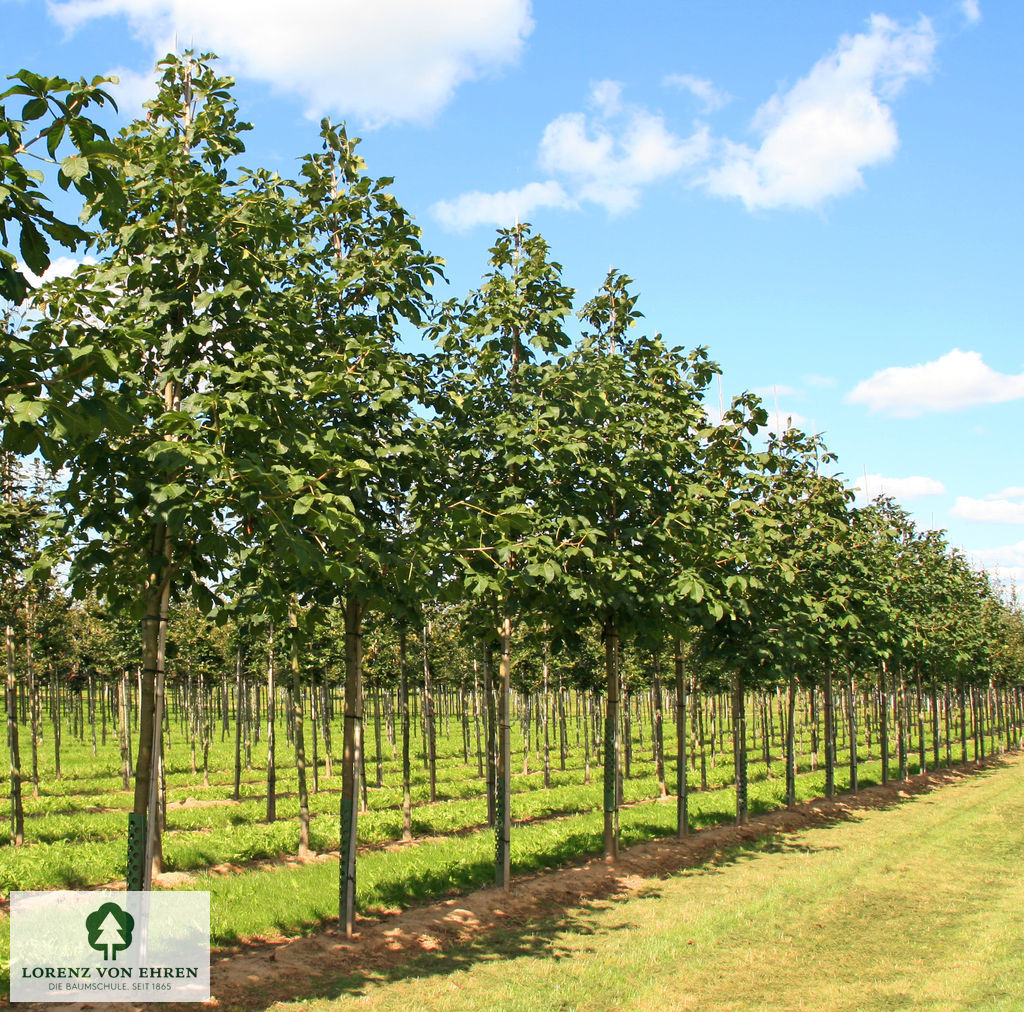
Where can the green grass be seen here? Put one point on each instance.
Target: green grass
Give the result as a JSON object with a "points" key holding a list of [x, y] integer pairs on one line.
{"points": [[76, 828], [915, 906]]}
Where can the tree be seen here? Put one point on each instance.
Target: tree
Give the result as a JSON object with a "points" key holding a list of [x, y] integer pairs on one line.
{"points": [[495, 461], [155, 365]]}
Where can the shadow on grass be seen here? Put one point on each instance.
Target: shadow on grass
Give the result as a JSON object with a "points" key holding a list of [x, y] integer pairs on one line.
{"points": [[542, 933]]}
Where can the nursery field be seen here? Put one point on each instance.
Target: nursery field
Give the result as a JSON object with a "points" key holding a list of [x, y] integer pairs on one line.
{"points": [[909, 905], [75, 828]]}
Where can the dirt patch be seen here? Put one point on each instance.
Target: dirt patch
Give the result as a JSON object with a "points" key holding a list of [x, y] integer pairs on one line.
{"points": [[255, 974], [203, 803]]}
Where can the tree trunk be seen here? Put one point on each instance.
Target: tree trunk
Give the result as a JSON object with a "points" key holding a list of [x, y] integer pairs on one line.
{"points": [[351, 759], [17, 812], [503, 775], [682, 815], [122, 729], [428, 720], [739, 733], [144, 851], [403, 704], [611, 743], [883, 722], [830, 737], [298, 736], [491, 736], [271, 731], [237, 793], [791, 743], [658, 731]]}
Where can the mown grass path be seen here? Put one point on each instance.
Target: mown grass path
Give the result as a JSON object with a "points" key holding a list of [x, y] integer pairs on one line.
{"points": [[917, 905]]}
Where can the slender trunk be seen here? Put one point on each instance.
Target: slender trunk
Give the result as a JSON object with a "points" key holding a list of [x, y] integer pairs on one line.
{"points": [[791, 743], [901, 726], [144, 852], [563, 731], [350, 763], [491, 734], [314, 709], [544, 721], [428, 719], [739, 733], [271, 732], [682, 815], [236, 794], [476, 721], [503, 785], [963, 724], [883, 722], [658, 731], [766, 742], [17, 812], [851, 705], [33, 701], [921, 752], [403, 705], [298, 735], [830, 737], [611, 743], [377, 743], [122, 730]]}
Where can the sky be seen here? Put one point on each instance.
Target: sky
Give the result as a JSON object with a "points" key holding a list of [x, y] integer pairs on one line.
{"points": [[825, 195]]}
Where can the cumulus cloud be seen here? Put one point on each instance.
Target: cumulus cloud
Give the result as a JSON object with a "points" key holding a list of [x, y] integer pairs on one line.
{"points": [[813, 379], [604, 156], [971, 11], [710, 97], [959, 379], [915, 486], [782, 420], [1006, 561], [988, 511], [133, 88], [817, 137], [612, 154], [502, 208], [60, 267], [1013, 492], [385, 61]]}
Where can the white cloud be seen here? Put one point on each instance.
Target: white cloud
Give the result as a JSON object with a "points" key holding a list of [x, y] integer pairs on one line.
{"points": [[710, 97], [971, 11], [60, 267], [1013, 492], [502, 208], [782, 419], [605, 157], [133, 88], [915, 486], [382, 61], [818, 136], [612, 154], [1005, 562], [959, 379], [779, 390], [812, 379], [988, 511]]}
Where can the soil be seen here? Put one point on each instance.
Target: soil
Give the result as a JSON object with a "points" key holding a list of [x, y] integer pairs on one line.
{"points": [[256, 974]]}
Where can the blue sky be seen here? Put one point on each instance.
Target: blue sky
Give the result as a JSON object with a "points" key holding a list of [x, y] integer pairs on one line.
{"points": [[827, 195]]}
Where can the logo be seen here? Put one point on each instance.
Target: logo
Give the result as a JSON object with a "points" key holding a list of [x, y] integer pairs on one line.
{"points": [[110, 929]]}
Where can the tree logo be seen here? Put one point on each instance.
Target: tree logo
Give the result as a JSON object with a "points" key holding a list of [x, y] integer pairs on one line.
{"points": [[110, 929]]}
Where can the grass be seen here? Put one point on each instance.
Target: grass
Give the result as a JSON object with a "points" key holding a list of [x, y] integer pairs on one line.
{"points": [[915, 906], [75, 829]]}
